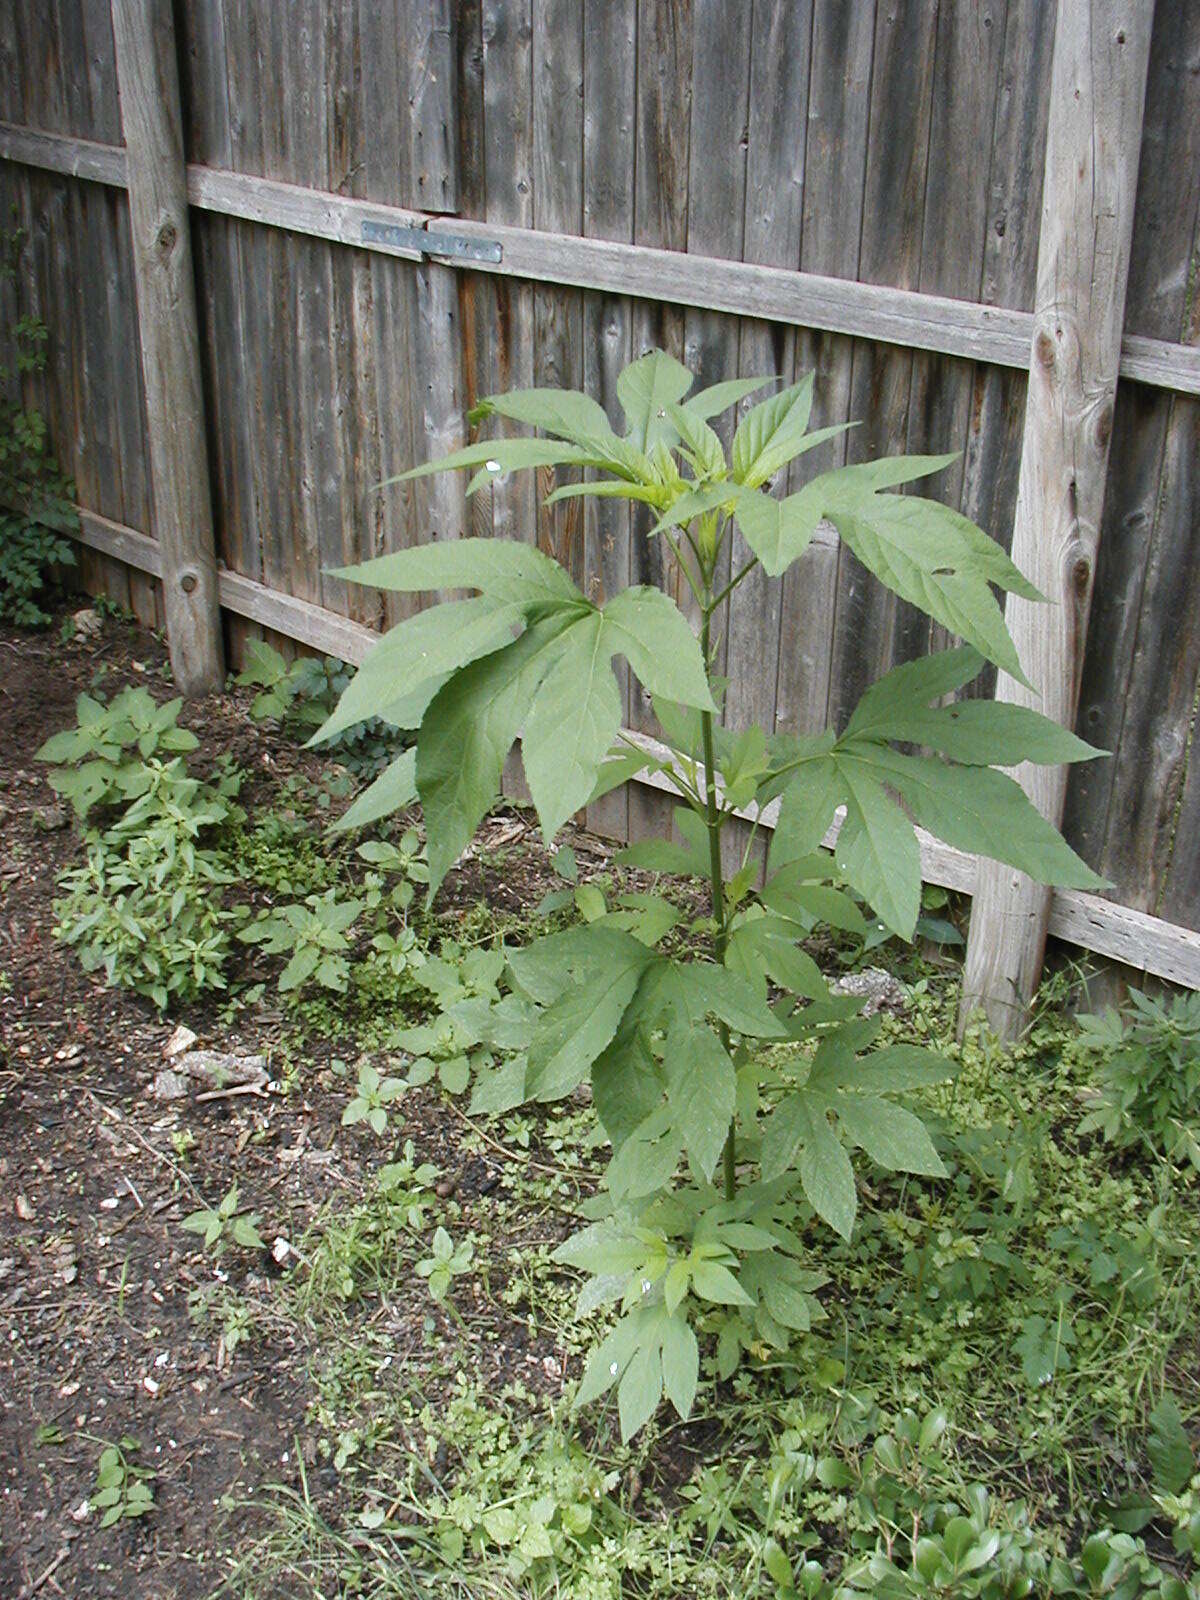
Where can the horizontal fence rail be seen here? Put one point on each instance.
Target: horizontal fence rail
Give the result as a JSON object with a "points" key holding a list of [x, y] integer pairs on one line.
{"points": [[1140, 941], [917, 321]]}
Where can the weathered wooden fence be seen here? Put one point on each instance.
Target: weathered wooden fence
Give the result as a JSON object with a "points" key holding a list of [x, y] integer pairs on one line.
{"points": [[396, 206]]}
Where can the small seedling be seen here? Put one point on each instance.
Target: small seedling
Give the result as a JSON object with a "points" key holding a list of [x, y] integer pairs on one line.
{"points": [[399, 952], [375, 1095], [122, 1489], [448, 1261], [226, 1225]]}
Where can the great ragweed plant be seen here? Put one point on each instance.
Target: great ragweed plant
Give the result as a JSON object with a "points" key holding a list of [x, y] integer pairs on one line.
{"points": [[681, 1051]]}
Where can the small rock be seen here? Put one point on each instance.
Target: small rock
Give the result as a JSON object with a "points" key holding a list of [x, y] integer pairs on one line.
{"points": [[82, 1511], [66, 1262], [149, 1384], [23, 1208], [180, 1041], [51, 818], [214, 1069], [280, 1250], [878, 988], [169, 1085], [87, 623]]}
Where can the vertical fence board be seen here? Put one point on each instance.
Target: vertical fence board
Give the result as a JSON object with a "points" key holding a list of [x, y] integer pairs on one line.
{"points": [[558, 51], [716, 207], [435, 342], [217, 242], [1097, 94], [390, 516], [843, 42], [970, 44], [609, 99], [504, 313], [1139, 686], [775, 157], [993, 443], [865, 617], [660, 206], [169, 340], [506, 360]]}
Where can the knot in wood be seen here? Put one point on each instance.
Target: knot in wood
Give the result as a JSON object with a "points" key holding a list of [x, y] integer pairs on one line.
{"points": [[167, 235], [1078, 562], [1043, 347]]}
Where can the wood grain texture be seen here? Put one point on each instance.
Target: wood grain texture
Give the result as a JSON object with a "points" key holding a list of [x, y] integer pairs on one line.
{"points": [[558, 56], [966, 74], [992, 451], [660, 220], [504, 359], [840, 62], [906, 318], [774, 207], [609, 99], [1101, 51], [1140, 675], [169, 340], [210, 140], [434, 336], [867, 616], [716, 220]]}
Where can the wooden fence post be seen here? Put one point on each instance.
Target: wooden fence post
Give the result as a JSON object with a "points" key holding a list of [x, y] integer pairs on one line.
{"points": [[1098, 82], [148, 80]]}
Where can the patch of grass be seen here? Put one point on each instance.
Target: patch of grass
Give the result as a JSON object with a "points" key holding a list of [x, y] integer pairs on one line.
{"points": [[978, 1391]]}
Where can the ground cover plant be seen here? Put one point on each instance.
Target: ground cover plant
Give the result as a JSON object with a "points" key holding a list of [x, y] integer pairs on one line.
{"points": [[668, 1018], [363, 1382], [37, 508]]}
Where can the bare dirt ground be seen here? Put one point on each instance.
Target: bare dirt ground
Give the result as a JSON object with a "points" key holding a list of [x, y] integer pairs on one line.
{"points": [[96, 1339]]}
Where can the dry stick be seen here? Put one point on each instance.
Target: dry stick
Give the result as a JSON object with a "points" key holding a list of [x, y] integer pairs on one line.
{"points": [[45, 1575], [227, 1094], [576, 1175], [132, 1131]]}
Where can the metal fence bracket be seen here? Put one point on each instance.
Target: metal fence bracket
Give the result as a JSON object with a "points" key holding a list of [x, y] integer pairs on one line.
{"points": [[450, 246]]}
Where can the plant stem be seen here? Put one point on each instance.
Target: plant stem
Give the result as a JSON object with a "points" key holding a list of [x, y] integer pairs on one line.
{"points": [[733, 583], [712, 819]]}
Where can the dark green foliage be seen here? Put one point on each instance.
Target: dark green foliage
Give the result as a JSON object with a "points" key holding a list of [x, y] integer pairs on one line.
{"points": [[1147, 1074], [36, 500], [300, 695], [144, 907]]}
